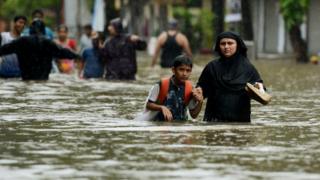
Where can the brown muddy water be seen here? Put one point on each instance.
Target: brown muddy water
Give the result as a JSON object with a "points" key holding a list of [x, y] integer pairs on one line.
{"points": [[67, 128]]}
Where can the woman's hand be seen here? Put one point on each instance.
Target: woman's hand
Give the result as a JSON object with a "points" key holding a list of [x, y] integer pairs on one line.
{"points": [[259, 86], [197, 94]]}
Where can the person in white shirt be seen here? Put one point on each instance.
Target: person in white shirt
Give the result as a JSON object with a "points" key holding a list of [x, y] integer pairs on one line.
{"points": [[85, 39], [9, 65]]}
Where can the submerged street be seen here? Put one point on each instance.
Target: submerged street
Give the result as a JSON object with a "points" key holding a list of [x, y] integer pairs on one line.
{"points": [[71, 128]]}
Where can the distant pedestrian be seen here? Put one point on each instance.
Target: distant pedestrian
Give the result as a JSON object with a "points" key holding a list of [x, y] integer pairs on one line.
{"points": [[38, 14], [9, 65], [119, 52], [93, 64], [172, 43], [65, 66], [35, 53], [86, 38]]}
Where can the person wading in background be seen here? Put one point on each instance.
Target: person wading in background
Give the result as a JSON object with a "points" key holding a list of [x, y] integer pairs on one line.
{"points": [[35, 53], [173, 43], [119, 52]]}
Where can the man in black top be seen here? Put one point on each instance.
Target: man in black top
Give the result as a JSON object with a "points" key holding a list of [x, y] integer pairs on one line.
{"points": [[35, 53], [172, 43]]}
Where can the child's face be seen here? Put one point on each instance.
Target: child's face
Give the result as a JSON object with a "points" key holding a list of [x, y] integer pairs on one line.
{"points": [[62, 33], [182, 73]]}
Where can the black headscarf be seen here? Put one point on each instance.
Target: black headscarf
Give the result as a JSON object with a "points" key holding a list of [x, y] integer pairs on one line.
{"points": [[229, 73], [241, 47], [117, 24]]}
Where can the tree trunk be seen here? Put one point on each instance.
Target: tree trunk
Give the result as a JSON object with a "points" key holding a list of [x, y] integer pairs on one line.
{"points": [[137, 18], [111, 12], [218, 21], [298, 44], [163, 18], [246, 25]]}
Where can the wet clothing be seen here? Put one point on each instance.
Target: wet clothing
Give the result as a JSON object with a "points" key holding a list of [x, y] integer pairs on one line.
{"points": [[174, 101], [65, 65], [9, 65], [85, 42], [93, 64], [170, 50], [119, 54], [223, 82], [35, 54]]}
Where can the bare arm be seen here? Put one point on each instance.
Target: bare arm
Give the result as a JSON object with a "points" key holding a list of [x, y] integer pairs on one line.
{"points": [[162, 38], [183, 41], [163, 109]]}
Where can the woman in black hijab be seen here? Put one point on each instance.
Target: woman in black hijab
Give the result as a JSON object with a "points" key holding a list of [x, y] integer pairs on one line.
{"points": [[223, 81], [119, 52]]}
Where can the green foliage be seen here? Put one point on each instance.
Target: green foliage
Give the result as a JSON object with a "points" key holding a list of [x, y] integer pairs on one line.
{"points": [[187, 24], [206, 23], [293, 11], [197, 25], [10, 8], [182, 13]]}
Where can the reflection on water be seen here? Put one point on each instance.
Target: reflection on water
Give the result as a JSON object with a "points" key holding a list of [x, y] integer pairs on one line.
{"points": [[69, 128]]}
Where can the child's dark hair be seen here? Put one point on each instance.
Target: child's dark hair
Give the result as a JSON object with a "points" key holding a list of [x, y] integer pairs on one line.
{"points": [[17, 18], [37, 11], [182, 60]]}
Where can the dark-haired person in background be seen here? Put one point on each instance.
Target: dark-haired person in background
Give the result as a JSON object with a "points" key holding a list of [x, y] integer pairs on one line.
{"points": [[86, 38], [223, 81], [9, 65], [92, 63], [119, 52], [172, 43], [38, 14], [65, 65], [35, 53]]}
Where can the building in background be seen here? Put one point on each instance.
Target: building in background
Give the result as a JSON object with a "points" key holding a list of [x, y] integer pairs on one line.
{"points": [[76, 14]]}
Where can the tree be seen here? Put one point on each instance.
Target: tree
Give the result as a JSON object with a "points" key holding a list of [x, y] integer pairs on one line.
{"points": [[136, 21], [218, 10], [111, 11], [246, 25], [294, 13], [9, 8]]}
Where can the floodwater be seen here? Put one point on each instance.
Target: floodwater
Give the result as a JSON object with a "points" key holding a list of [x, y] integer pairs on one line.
{"points": [[67, 128]]}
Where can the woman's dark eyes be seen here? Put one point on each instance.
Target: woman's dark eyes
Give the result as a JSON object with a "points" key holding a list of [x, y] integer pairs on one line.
{"points": [[227, 43]]}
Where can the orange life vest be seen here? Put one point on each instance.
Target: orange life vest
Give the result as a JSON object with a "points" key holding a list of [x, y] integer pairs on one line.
{"points": [[164, 88]]}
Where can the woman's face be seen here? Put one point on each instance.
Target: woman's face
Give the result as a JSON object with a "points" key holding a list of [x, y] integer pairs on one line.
{"points": [[228, 47], [112, 30], [62, 34]]}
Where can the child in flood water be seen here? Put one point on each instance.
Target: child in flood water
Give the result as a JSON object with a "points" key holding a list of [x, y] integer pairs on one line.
{"points": [[170, 98]]}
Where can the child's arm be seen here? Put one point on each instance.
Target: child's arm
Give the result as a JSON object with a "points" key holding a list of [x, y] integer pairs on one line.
{"points": [[163, 109], [151, 105], [198, 97]]}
